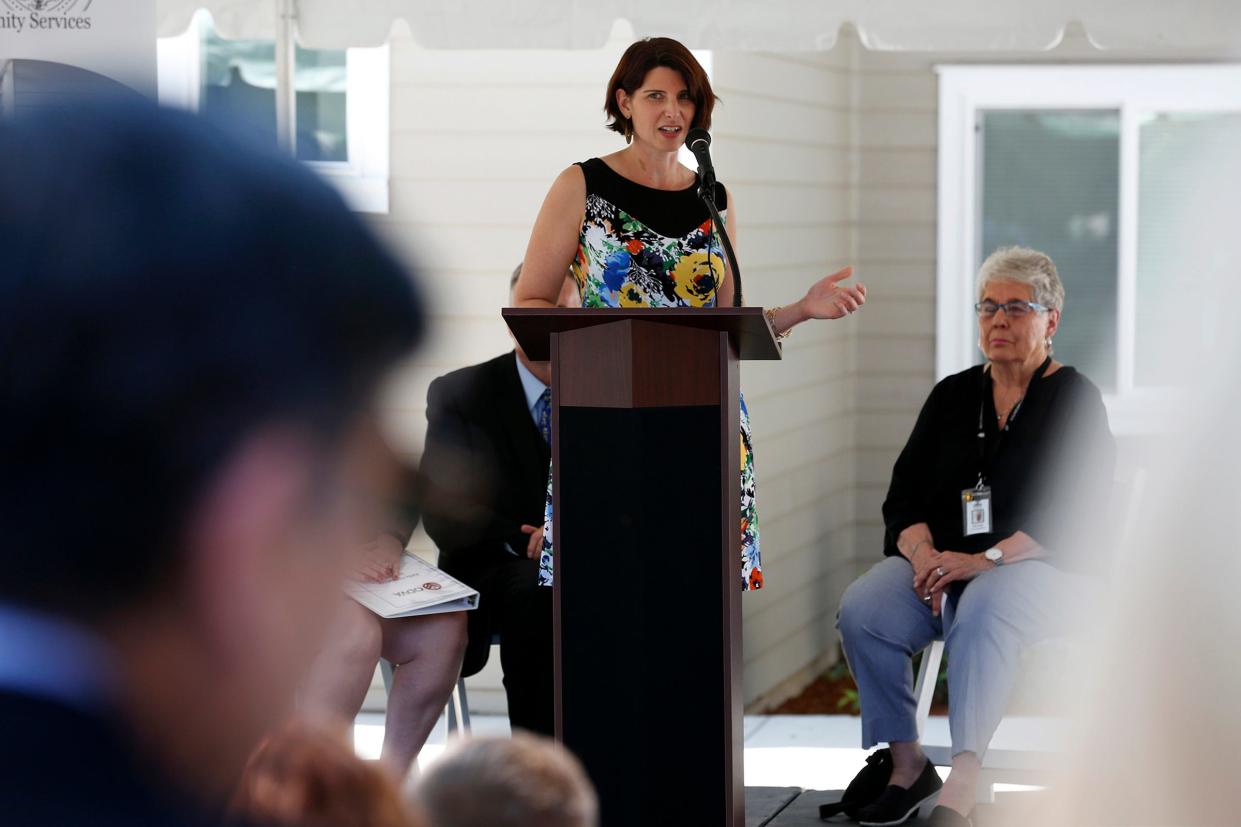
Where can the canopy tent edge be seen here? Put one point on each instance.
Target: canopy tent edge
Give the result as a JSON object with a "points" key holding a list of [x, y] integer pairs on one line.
{"points": [[1210, 26]]}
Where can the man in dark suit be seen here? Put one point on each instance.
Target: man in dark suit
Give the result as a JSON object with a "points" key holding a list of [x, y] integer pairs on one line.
{"points": [[484, 484], [190, 331]]}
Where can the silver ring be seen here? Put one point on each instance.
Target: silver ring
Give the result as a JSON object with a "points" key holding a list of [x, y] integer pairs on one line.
{"points": [[926, 599], [940, 571]]}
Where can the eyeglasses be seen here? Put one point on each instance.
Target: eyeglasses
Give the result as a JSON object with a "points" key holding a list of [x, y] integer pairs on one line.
{"points": [[1013, 309]]}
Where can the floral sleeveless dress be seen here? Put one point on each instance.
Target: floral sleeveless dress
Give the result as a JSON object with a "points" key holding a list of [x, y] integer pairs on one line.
{"points": [[643, 247]]}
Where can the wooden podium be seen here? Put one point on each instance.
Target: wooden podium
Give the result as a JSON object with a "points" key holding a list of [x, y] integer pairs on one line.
{"points": [[646, 458]]}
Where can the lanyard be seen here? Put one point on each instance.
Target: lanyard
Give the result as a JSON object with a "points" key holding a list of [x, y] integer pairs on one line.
{"points": [[1012, 416]]}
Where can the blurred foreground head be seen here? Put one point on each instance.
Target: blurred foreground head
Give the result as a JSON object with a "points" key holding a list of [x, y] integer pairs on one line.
{"points": [[190, 331], [303, 777], [523, 781]]}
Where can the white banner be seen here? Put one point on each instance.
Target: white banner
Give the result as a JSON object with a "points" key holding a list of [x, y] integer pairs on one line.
{"points": [[115, 38]]}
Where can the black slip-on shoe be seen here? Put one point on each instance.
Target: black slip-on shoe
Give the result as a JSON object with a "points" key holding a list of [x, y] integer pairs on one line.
{"points": [[947, 817], [898, 804]]}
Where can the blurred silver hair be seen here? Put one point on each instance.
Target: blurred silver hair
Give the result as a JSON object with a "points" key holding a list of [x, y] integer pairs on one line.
{"points": [[1024, 266], [523, 781]]}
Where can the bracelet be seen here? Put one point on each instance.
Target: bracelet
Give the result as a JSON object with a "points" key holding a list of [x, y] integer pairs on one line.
{"points": [[770, 314]]}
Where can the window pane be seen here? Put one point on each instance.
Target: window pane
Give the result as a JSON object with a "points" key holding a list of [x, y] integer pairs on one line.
{"points": [[1179, 159], [1050, 180], [239, 83], [320, 80]]}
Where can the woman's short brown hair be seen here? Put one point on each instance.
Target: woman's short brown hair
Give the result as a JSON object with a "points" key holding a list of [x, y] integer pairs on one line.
{"points": [[650, 53], [304, 776]]}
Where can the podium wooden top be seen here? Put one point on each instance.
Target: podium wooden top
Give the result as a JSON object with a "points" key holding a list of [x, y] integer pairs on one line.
{"points": [[746, 326]]}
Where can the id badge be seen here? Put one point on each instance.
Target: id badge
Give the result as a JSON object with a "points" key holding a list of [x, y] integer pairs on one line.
{"points": [[976, 510]]}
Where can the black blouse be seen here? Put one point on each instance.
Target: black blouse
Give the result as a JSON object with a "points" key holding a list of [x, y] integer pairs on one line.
{"points": [[673, 213], [1050, 469]]}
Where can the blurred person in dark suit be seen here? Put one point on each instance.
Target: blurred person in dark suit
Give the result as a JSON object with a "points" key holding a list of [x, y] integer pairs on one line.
{"points": [[190, 332], [484, 480]]}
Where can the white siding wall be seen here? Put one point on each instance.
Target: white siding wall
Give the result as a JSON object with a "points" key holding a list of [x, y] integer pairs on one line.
{"points": [[477, 137], [783, 144], [896, 255]]}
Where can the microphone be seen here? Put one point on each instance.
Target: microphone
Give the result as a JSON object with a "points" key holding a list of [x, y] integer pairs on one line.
{"points": [[698, 141]]}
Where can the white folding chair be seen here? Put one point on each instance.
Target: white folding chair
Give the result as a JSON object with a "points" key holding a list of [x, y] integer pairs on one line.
{"points": [[458, 709]]}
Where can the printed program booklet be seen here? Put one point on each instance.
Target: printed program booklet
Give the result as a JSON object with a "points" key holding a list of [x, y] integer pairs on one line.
{"points": [[421, 589]]}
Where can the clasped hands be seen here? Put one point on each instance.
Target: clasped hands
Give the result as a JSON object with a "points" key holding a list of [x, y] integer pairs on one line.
{"points": [[934, 570]]}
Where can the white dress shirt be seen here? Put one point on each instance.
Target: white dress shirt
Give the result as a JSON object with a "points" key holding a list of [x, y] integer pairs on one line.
{"points": [[532, 385]]}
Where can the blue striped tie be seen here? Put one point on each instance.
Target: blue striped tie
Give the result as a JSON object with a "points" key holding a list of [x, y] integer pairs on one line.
{"points": [[543, 413]]}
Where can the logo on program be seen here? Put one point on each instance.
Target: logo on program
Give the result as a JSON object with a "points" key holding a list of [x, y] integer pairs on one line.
{"points": [[432, 587]]}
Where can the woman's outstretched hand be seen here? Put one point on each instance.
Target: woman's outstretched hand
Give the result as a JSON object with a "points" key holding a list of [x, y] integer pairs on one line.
{"points": [[829, 299]]}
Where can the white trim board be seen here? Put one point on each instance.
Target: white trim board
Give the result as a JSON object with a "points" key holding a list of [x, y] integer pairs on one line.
{"points": [[1133, 90]]}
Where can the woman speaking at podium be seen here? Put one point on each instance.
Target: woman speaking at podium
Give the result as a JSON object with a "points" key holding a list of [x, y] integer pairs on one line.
{"points": [[632, 231]]}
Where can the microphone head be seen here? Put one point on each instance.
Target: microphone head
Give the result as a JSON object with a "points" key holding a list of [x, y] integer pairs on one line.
{"points": [[697, 139]]}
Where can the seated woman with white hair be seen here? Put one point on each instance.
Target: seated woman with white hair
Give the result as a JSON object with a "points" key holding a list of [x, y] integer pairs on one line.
{"points": [[1006, 475]]}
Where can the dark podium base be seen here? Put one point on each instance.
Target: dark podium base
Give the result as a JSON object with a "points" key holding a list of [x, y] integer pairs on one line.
{"points": [[645, 412], [642, 701]]}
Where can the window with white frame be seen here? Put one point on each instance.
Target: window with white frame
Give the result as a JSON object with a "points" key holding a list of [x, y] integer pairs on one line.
{"points": [[341, 101], [1086, 163]]}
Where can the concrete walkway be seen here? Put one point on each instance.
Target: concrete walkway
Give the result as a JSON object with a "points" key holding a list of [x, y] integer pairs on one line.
{"points": [[801, 808], [793, 763]]}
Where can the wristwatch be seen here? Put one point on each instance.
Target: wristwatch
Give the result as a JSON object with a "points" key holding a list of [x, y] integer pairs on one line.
{"points": [[995, 554]]}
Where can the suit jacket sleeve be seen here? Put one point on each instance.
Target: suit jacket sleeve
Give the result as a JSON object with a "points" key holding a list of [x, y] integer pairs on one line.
{"points": [[461, 492]]}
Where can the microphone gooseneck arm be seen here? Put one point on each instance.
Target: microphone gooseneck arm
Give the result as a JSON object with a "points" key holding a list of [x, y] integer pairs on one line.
{"points": [[707, 194], [698, 141]]}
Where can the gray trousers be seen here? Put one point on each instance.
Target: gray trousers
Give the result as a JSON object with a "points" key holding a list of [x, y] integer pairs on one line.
{"points": [[985, 624]]}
